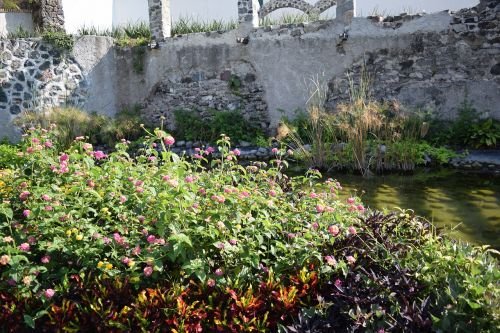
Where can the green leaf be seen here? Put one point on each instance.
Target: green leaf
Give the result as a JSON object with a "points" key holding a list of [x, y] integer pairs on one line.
{"points": [[28, 320]]}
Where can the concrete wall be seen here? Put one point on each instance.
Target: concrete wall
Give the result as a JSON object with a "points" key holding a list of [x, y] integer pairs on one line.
{"points": [[280, 61], [12, 21]]}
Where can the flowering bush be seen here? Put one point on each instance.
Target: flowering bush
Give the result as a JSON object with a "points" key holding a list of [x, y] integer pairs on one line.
{"points": [[159, 243]]}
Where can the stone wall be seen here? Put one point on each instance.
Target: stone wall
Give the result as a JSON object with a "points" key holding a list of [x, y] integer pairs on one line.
{"points": [[235, 88], [51, 14], [439, 70], [33, 75]]}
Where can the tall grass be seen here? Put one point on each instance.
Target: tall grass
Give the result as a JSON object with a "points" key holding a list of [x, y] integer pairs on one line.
{"points": [[72, 122], [318, 135], [139, 30], [188, 24], [361, 135]]}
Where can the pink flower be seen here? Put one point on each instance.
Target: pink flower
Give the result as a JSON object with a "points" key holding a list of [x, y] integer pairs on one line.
{"points": [[35, 141], [211, 283], [351, 260], [24, 247], [275, 150], [173, 182], [126, 260], [79, 138], [45, 197], [139, 190], [26, 213], [31, 240], [198, 156], [338, 283], [24, 195], [237, 152], [202, 191], [320, 208], [87, 146], [49, 293], [209, 150], [220, 246], [361, 208], [30, 150], [136, 251], [315, 225], [24, 184], [141, 218], [313, 195], [352, 208], [169, 140], [233, 242], [45, 259], [63, 158], [331, 261], [289, 152], [352, 230], [4, 260], [98, 155], [48, 208], [118, 238], [151, 239], [219, 272], [148, 271], [333, 230], [152, 158], [48, 144], [272, 193], [165, 178], [106, 240], [138, 183], [123, 199], [189, 179], [350, 201]]}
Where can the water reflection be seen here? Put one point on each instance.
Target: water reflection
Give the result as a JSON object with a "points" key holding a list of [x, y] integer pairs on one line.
{"points": [[467, 206]]}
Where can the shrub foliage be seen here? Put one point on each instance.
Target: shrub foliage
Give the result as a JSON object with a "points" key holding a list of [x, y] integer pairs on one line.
{"points": [[157, 243]]}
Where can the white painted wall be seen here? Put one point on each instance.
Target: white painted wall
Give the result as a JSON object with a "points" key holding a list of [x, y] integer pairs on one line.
{"points": [[130, 11], [95, 13], [10, 22]]}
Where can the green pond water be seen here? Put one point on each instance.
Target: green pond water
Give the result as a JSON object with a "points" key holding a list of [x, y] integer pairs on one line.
{"points": [[466, 206]]}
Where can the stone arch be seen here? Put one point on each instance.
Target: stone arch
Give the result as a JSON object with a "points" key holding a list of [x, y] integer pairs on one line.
{"points": [[318, 8]]}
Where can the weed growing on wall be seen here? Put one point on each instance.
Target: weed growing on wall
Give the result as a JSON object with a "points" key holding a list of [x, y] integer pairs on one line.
{"points": [[59, 40]]}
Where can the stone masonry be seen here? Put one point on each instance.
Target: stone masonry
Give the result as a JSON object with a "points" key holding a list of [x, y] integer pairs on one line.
{"points": [[318, 8], [34, 76], [248, 13], [159, 18], [439, 70], [51, 15], [234, 88]]}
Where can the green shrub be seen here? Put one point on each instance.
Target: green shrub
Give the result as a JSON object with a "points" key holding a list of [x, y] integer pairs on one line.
{"points": [[469, 130], [59, 39], [97, 242], [190, 126], [8, 156]]}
